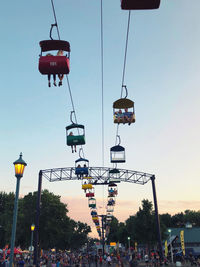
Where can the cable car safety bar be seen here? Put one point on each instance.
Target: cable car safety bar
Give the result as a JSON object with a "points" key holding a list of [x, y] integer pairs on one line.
{"points": [[100, 175]]}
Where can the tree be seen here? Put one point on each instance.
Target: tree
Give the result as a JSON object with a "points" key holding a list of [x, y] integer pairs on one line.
{"points": [[6, 211], [166, 219], [79, 237], [56, 228]]}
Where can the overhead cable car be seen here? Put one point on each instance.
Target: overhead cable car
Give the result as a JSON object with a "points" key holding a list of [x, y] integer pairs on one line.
{"points": [[86, 186], [114, 176], [78, 139], [112, 189], [139, 4], [109, 209], [75, 134], [117, 153], [50, 64], [92, 202], [90, 194], [93, 213], [81, 167], [95, 218], [111, 202], [123, 110]]}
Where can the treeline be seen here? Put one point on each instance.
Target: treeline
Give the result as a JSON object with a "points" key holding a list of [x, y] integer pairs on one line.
{"points": [[141, 227], [56, 228]]}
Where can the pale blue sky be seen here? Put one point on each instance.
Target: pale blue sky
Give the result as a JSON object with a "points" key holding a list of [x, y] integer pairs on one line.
{"points": [[162, 77]]}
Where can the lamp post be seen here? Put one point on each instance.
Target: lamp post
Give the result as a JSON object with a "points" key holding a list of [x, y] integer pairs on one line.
{"points": [[129, 247], [32, 230], [170, 236], [20, 165]]}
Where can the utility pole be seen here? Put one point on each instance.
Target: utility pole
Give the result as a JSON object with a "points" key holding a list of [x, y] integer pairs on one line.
{"points": [[102, 231]]}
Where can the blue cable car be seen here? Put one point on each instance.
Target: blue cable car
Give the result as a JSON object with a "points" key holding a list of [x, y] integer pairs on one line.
{"points": [[93, 213], [81, 167], [139, 4]]}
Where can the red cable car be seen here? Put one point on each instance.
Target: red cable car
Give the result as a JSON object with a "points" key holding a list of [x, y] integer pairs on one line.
{"points": [[90, 194], [50, 64], [139, 4]]}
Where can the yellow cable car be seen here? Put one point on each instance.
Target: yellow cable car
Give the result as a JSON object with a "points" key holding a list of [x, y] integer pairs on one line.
{"points": [[95, 218], [87, 186]]}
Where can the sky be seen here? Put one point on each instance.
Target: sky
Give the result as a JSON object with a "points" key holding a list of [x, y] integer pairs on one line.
{"points": [[162, 77]]}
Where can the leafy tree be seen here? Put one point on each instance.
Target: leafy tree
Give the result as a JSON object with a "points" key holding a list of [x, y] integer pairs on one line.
{"points": [[166, 219], [114, 231], [79, 237], [56, 228], [178, 220], [6, 211]]}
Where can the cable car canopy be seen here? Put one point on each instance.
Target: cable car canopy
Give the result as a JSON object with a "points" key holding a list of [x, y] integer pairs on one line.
{"points": [[139, 4], [48, 45]]}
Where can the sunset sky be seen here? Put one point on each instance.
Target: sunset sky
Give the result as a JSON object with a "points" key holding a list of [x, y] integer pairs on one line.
{"points": [[162, 77]]}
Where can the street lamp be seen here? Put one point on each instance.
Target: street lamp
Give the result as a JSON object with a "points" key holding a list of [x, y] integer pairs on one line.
{"points": [[32, 230], [170, 236], [129, 247], [20, 165]]}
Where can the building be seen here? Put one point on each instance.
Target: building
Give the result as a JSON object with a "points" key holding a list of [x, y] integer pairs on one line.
{"points": [[191, 239]]}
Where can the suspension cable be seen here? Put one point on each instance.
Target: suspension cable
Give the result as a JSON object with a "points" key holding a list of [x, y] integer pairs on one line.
{"points": [[124, 67], [54, 13], [102, 84], [73, 108], [126, 48], [102, 91], [70, 93]]}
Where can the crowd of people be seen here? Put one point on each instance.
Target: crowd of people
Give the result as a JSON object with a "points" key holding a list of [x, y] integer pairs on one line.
{"points": [[79, 259], [64, 259]]}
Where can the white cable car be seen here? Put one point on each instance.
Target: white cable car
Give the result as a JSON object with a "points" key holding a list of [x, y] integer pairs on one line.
{"points": [[117, 153]]}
